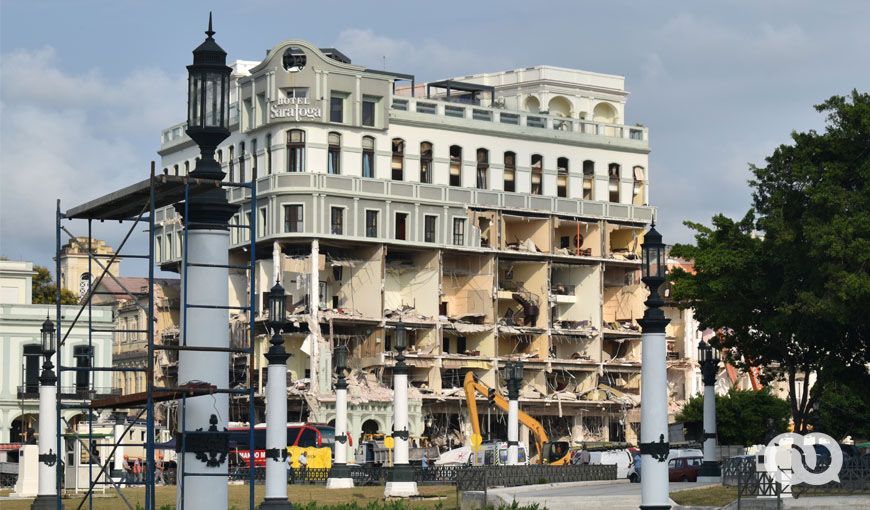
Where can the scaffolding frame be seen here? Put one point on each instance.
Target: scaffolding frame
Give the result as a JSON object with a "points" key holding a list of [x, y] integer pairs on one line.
{"points": [[136, 204]]}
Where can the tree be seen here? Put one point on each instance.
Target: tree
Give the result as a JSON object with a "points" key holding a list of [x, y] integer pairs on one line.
{"points": [[844, 407], [742, 417], [45, 290], [788, 286]]}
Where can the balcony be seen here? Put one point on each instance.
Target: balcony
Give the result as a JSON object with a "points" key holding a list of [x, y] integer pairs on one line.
{"points": [[448, 113]]}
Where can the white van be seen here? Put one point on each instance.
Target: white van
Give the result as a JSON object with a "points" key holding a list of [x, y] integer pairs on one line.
{"points": [[622, 459]]}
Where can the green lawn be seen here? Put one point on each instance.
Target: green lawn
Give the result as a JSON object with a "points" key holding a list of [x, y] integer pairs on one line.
{"points": [[716, 495], [299, 494]]}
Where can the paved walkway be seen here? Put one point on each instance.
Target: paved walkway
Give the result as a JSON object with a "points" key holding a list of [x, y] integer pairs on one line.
{"points": [[609, 495]]}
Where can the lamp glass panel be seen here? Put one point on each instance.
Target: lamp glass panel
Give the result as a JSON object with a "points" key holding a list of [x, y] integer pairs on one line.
{"points": [[193, 101], [401, 337], [211, 108], [340, 357]]}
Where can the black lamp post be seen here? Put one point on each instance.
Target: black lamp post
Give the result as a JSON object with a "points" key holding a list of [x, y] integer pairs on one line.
{"points": [[339, 475], [708, 359], [400, 478], [47, 494], [513, 374], [276, 405], [654, 445]]}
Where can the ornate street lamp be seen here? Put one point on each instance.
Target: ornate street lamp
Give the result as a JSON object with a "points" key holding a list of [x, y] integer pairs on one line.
{"points": [[654, 444], [400, 478], [208, 98], [513, 374], [339, 475], [708, 358], [206, 337], [276, 405], [47, 496]]}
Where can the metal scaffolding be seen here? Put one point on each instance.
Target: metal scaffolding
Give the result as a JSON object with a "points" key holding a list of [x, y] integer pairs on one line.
{"points": [[137, 204]]}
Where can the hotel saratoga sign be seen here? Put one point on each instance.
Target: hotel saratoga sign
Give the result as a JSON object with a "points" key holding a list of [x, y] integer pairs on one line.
{"points": [[293, 108]]}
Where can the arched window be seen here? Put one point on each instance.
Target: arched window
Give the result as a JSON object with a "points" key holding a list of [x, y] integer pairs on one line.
{"points": [[333, 156], [482, 168], [426, 162], [175, 169], [510, 171], [588, 179], [398, 162], [187, 168], [84, 356], [537, 174], [84, 285], [368, 156], [295, 150], [604, 112], [639, 189], [532, 104], [613, 182], [455, 165], [220, 155], [562, 177], [254, 158], [559, 106]]}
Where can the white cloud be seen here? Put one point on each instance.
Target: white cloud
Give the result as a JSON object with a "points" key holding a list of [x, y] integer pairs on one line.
{"points": [[73, 137], [427, 57]]}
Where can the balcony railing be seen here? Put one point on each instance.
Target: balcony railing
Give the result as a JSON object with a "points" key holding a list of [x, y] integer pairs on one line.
{"points": [[29, 391]]}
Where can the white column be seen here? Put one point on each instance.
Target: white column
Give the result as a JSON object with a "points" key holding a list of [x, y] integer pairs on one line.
{"points": [[205, 327], [710, 423], [48, 439], [342, 481], [401, 487], [400, 420], [314, 300], [654, 420], [513, 432], [276, 264], [276, 437], [118, 461]]}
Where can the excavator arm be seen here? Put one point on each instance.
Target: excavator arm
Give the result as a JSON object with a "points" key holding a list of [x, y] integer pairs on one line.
{"points": [[472, 385]]}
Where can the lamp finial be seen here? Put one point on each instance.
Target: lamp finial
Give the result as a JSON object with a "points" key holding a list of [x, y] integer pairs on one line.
{"points": [[209, 32]]}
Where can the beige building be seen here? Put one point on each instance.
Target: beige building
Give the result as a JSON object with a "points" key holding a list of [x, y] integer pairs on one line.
{"points": [[76, 272], [497, 215]]}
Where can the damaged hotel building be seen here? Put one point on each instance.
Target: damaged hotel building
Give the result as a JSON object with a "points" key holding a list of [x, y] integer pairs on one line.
{"points": [[498, 216]]}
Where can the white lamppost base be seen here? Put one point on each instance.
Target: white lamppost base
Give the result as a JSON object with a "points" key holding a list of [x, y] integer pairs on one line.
{"points": [[401, 490], [709, 479], [339, 483]]}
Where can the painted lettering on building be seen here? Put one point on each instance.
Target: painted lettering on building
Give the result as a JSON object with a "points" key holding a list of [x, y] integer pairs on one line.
{"points": [[294, 108]]}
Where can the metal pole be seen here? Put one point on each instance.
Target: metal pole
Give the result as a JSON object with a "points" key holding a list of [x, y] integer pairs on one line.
{"points": [[61, 454], [400, 479], [150, 490], [710, 471], [47, 495], [252, 293]]}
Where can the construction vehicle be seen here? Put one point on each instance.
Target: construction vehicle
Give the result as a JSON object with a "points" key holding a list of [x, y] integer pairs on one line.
{"points": [[556, 453]]}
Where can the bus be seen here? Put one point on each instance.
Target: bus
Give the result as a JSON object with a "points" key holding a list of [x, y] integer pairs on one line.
{"points": [[317, 440]]}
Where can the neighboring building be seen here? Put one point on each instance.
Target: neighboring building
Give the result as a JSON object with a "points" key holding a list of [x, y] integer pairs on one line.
{"points": [[499, 216], [20, 353], [77, 272]]}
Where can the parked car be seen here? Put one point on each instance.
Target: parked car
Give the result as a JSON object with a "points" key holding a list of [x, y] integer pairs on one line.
{"points": [[684, 469], [621, 458]]}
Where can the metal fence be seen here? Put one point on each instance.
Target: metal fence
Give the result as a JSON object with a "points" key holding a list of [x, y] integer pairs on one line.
{"points": [[734, 467], [853, 478], [479, 478]]}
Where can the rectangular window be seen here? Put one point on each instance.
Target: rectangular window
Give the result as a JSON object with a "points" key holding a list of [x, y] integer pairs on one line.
{"points": [[333, 156], [429, 229], [336, 108], [369, 107], [371, 223], [562, 184], [254, 173], [337, 222], [368, 157], [248, 223], [295, 150], [261, 222], [401, 226], [242, 162], [459, 231], [293, 218]]}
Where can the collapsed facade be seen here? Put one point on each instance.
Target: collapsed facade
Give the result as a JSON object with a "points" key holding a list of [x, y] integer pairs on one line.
{"points": [[497, 216]]}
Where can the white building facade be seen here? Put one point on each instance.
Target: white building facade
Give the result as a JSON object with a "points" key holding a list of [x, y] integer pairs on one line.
{"points": [[21, 359], [499, 214]]}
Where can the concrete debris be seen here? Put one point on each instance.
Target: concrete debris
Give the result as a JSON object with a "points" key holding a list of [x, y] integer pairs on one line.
{"points": [[407, 314], [363, 387], [528, 246], [462, 327]]}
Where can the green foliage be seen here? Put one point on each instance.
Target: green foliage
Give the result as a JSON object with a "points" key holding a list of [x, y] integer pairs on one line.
{"points": [[788, 286], [45, 290], [742, 417], [844, 407]]}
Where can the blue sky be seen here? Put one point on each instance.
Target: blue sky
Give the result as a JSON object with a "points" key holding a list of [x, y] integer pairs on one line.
{"points": [[86, 86]]}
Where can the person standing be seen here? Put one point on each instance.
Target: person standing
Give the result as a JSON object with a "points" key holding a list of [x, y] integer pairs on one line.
{"points": [[137, 471], [303, 466], [291, 474]]}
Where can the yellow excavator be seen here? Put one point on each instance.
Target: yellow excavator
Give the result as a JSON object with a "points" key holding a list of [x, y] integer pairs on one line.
{"points": [[556, 453]]}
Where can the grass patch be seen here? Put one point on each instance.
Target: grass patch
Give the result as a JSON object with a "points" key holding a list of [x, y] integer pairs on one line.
{"points": [[716, 495], [300, 495]]}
